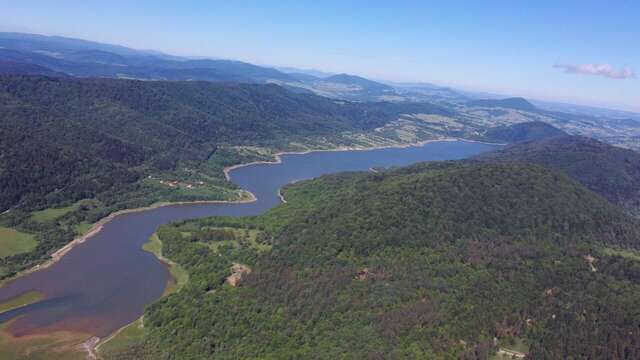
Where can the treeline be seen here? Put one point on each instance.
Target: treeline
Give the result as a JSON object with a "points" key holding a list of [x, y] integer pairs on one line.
{"points": [[450, 260]]}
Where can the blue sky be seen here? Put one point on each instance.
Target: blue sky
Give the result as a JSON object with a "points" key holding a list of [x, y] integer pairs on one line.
{"points": [[584, 52]]}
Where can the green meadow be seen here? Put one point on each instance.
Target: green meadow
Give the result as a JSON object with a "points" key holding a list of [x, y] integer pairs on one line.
{"points": [[14, 242]]}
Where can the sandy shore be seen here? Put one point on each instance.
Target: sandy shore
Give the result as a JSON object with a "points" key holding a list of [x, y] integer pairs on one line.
{"points": [[282, 200]]}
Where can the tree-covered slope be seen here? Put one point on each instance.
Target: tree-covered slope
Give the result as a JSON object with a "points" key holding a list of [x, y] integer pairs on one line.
{"points": [[522, 132], [610, 171], [125, 144], [452, 260], [57, 132]]}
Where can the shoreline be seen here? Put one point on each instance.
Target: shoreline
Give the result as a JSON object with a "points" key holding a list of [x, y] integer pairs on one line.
{"points": [[97, 345], [277, 160], [282, 199], [97, 227], [278, 156], [92, 344]]}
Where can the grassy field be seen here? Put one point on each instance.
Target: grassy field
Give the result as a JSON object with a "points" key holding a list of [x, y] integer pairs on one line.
{"points": [[51, 214], [24, 299], [15, 242], [246, 236], [82, 228]]}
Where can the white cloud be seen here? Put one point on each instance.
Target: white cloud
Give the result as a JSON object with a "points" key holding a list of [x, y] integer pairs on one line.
{"points": [[605, 70]]}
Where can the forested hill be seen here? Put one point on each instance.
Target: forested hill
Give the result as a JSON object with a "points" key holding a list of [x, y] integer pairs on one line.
{"points": [[610, 171], [8, 67], [85, 135], [522, 132], [82, 148], [429, 261]]}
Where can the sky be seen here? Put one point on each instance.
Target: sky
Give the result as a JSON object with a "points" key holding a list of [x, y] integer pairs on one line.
{"points": [[585, 52]]}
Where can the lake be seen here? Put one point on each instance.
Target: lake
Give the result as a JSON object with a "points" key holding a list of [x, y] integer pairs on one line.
{"points": [[106, 282]]}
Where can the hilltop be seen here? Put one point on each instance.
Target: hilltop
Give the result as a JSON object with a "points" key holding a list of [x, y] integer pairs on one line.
{"points": [[610, 171], [523, 132]]}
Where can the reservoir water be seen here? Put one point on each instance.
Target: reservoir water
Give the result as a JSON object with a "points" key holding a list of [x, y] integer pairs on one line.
{"points": [[105, 282]]}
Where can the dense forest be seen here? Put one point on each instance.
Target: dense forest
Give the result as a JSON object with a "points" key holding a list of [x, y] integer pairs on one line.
{"points": [[110, 126], [610, 171], [447, 260], [126, 143], [523, 132]]}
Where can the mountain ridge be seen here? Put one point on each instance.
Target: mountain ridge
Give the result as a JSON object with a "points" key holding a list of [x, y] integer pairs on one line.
{"points": [[610, 171], [516, 103]]}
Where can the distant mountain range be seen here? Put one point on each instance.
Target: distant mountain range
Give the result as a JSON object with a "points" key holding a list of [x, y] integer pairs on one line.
{"points": [[516, 103], [87, 59], [74, 57], [10, 67], [28, 54], [53, 55]]}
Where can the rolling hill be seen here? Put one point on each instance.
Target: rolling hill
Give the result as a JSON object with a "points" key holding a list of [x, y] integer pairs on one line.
{"points": [[610, 171], [515, 103], [9, 67], [523, 132]]}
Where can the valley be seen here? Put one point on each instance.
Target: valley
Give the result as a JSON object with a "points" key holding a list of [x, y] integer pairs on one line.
{"points": [[120, 270], [156, 206]]}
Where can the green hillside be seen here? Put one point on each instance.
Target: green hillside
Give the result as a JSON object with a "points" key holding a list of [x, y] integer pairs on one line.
{"points": [[522, 132], [126, 144], [610, 171], [429, 261], [87, 135]]}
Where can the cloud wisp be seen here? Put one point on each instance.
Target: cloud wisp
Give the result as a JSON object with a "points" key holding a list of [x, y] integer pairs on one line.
{"points": [[605, 70]]}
